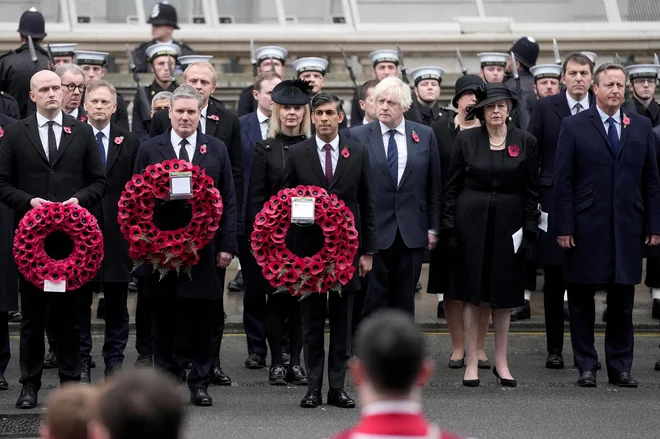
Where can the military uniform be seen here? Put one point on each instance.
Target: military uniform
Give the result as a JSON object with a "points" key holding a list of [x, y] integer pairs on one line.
{"points": [[246, 103], [9, 106], [143, 63]]}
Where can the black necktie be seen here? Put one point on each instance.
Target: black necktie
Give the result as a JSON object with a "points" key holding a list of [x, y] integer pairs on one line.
{"points": [[183, 153], [52, 142]]}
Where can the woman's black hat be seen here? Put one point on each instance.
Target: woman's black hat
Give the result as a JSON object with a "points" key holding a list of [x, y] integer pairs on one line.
{"points": [[489, 93], [292, 92], [463, 84]]}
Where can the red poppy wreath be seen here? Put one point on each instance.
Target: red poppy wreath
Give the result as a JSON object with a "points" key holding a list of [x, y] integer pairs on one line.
{"points": [[29, 245], [328, 269], [168, 250]]}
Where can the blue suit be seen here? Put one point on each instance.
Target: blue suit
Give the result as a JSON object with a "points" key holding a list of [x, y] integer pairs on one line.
{"points": [[405, 212], [254, 298], [609, 202]]}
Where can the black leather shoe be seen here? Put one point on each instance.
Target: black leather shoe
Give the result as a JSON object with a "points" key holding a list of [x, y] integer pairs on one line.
{"points": [[144, 360], [339, 398], [50, 360], [521, 312], [655, 309], [471, 383], [28, 398], [554, 361], [441, 310], [219, 378], [132, 287], [504, 381], [587, 379], [624, 380], [237, 284], [14, 316], [483, 364], [200, 397], [100, 309], [113, 369], [255, 361], [85, 374], [312, 399], [457, 364], [296, 376], [4, 385], [277, 376]]}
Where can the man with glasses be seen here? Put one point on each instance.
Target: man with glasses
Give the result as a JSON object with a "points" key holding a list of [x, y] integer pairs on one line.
{"points": [[73, 88]]}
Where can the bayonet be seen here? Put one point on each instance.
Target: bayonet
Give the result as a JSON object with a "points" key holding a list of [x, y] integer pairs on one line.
{"points": [[170, 66], [617, 60], [656, 61], [51, 59], [349, 67], [514, 68], [253, 57], [464, 69], [402, 66], [272, 65], [555, 49], [33, 53]]}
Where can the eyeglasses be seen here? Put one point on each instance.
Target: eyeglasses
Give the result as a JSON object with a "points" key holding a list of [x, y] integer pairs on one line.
{"points": [[71, 87], [641, 81]]}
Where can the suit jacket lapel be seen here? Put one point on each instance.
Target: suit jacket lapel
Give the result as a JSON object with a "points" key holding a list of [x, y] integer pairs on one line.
{"points": [[341, 162], [211, 122], [66, 139], [198, 157], [113, 148], [166, 149], [624, 132], [561, 106], [33, 135], [598, 123], [254, 129], [313, 157], [378, 151], [411, 147]]}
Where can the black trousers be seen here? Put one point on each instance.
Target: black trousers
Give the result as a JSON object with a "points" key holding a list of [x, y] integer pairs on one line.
{"points": [[143, 321], [283, 312], [619, 340], [313, 312], [254, 300], [394, 277], [116, 322], [553, 303], [652, 279], [530, 275], [219, 319], [198, 316], [5, 348], [60, 309]]}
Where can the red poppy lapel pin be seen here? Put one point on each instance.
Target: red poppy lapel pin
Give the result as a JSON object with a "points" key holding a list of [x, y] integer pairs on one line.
{"points": [[67, 130], [415, 136], [83, 118], [118, 140], [202, 149], [625, 120], [345, 152], [2, 133], [514, 150], [213, 117]]}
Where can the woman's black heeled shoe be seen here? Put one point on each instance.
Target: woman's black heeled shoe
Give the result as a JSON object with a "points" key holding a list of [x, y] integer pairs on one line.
{"points": [[471, 383], [505, 382], [457, 364]]}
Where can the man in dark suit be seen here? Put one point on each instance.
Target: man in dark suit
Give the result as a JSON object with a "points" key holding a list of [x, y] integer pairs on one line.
{"points": [[366, 103], [254, 128], [195, 301], [607, 207], [269, 59], [405, 167], [320, 161], [42, 162], [545, 123], [118, 149]]}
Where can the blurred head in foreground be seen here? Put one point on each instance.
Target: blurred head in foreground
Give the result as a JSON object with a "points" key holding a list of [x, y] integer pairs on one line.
{"points": [[69, 411]]}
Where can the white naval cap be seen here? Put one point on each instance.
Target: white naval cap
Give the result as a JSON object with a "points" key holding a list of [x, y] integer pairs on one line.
{"points": [[62, 49], [384, 55], [591, 55], [310, 65], [267, 52], [191, 59], [91, 58], [643, 71], [492, 58], [423, 73], [162, 49], [546, 71]]}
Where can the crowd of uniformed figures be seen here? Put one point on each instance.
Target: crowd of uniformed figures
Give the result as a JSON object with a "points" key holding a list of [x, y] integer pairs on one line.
{"points": [[463, 187]]}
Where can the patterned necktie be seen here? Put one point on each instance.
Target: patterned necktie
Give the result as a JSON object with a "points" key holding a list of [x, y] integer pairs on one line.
{"points": [[613, 135], [578, 108], [328, 162], [52, 142], [183, 153], [393, 157], [99, 144]]}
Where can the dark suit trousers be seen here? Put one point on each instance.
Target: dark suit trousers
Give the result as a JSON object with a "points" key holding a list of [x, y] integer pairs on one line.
{"points": [[218, 319], [313, 313], [5, 348], [116, 322], [393, 279], [62, 311], [198, 317], [619, 339], [652, 272], [553, 304], [254, 300], [142, 321]]}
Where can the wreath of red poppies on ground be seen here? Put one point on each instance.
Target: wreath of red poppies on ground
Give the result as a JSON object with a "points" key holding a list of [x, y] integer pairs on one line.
{"points": [[327, 270], [168, 250], [30, 254]]}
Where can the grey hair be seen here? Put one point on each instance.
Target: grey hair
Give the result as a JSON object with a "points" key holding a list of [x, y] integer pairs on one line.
{"points": [[69, 68], [609, 66], [187, 92], [160, 95], [396, 89]]}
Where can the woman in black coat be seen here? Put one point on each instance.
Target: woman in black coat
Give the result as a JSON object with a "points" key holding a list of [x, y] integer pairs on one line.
{"points": [[491, 194], [290, 123], [442, 269]]}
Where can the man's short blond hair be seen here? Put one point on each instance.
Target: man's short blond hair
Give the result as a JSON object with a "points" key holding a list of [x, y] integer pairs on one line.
{"points": [[100, 83], [69, 410], [208, 65]]}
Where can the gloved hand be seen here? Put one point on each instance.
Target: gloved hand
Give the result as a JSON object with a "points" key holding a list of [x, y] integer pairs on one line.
{"points": [[526, 248]]}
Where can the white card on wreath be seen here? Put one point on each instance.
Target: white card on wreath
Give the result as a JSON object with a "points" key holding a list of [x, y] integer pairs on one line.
{"points": [[302, 210], [180, 185], [55, 287]]}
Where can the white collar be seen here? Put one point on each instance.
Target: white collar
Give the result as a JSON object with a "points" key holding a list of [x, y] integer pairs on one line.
{"points": [[400, 129], [334, 143], [41, 120], [176, 139], [571, 102], [204, 110], [261, 116], [105, 130], [390, 407], [604, 116]]}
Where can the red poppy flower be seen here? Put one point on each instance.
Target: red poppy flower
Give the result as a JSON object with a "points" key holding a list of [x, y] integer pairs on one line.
{"points": [[514, 150], [343, 277]]}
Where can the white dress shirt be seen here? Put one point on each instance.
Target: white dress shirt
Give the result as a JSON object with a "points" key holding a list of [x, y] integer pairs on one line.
{"points": [[190, 147], [42, 123], [617, 118], [365, 122], [401, 145], [263, 124], [334, 153], [572, 102], [106, 137], [74, 113], [202, 120]]}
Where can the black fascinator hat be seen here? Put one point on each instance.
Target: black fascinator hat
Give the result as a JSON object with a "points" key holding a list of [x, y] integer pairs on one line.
{"points": [[489, 93], [292, 92]]}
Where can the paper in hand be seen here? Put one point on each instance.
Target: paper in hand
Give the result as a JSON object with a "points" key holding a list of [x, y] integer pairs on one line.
{"points": [[543, 221], [517, 239]]}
